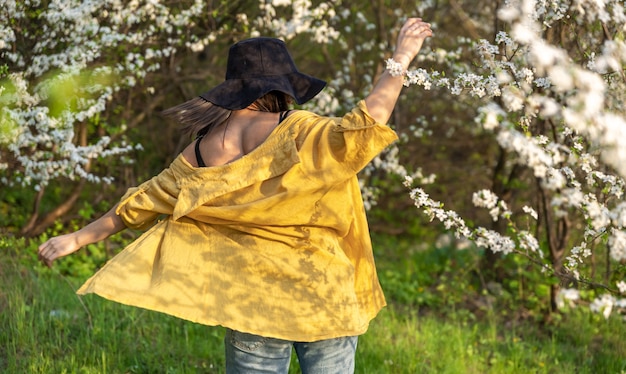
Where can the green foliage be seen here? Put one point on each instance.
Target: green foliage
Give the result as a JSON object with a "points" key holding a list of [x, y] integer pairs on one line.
{"points": [[8, 127], [419, 275], [14, 207], [449, 275], [66, 91]]}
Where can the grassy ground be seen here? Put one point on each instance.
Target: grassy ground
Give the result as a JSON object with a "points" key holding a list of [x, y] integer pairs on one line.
{"points": [[46, 328]]}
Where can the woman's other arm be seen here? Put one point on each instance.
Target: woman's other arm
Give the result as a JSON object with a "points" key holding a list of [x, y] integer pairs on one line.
{"points": [[381, 101], [98, 230]]}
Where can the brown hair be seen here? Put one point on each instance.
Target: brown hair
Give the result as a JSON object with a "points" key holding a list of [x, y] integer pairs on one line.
{"points": [[199, 116]]}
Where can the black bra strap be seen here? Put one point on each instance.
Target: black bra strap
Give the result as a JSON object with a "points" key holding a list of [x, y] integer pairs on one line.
{"points": [[198, 155], [283, 115]]}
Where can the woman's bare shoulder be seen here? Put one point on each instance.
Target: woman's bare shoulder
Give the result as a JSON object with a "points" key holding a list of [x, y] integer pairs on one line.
{"points": [[189, 154]]}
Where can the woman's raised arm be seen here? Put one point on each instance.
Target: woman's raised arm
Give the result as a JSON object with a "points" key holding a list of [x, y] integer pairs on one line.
{"points": [[381, 101]]}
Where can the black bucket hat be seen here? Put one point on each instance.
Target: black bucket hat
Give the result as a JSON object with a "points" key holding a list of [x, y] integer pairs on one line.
{"points": [[256, 67]]}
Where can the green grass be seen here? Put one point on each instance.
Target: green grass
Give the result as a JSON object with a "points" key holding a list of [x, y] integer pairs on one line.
{"points": [[46, 328], [406, 343]]}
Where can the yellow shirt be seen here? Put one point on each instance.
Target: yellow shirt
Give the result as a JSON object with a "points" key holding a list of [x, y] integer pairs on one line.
{"points": [[275, 243]]}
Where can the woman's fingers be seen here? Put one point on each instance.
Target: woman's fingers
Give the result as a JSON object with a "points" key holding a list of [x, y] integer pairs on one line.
{"points": [[410, 39], [57, 247], [418, 27], [44, 254], [413, 23], [47, 252]]}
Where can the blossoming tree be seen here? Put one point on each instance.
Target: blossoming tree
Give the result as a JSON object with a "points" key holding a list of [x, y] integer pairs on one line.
{"points": [[559, 113]]}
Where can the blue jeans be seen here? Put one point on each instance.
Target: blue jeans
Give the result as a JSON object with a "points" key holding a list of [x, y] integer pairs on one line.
{"points": [[247, 353]]}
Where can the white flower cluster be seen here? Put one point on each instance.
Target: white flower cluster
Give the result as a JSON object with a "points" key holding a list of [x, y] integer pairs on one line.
{"points": [[529, 243], [494, 241], [476, 85], [70, 36], [305, 17], [530, 211], [394, 68], [617, 245], [567, 296], [606, 303], [481, 236], [489, 200]]}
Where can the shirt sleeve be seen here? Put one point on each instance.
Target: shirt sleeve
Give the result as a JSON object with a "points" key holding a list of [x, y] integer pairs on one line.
{"points": [[140, 206], [343, 146]]}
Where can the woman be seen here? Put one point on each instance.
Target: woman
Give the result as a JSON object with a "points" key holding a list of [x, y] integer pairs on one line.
{"points": [[260, 225]]}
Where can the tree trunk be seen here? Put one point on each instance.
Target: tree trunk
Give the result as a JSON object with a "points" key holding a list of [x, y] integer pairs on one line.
{"points": [[36, 227]]}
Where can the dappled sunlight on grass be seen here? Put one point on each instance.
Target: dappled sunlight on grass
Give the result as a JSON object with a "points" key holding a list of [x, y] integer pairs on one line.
{"points": [[403, 342], [46, 329]]}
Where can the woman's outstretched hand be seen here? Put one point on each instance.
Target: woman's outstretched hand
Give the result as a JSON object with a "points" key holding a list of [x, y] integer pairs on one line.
{"points": [[56, 247], [63, 245], [410, 40]]}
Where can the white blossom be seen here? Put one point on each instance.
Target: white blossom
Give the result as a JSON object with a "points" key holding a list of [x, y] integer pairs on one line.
{"points": [[621, 286], [485, 199], [530, 211], [603, 304], [567, 296], [617, 245]]}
